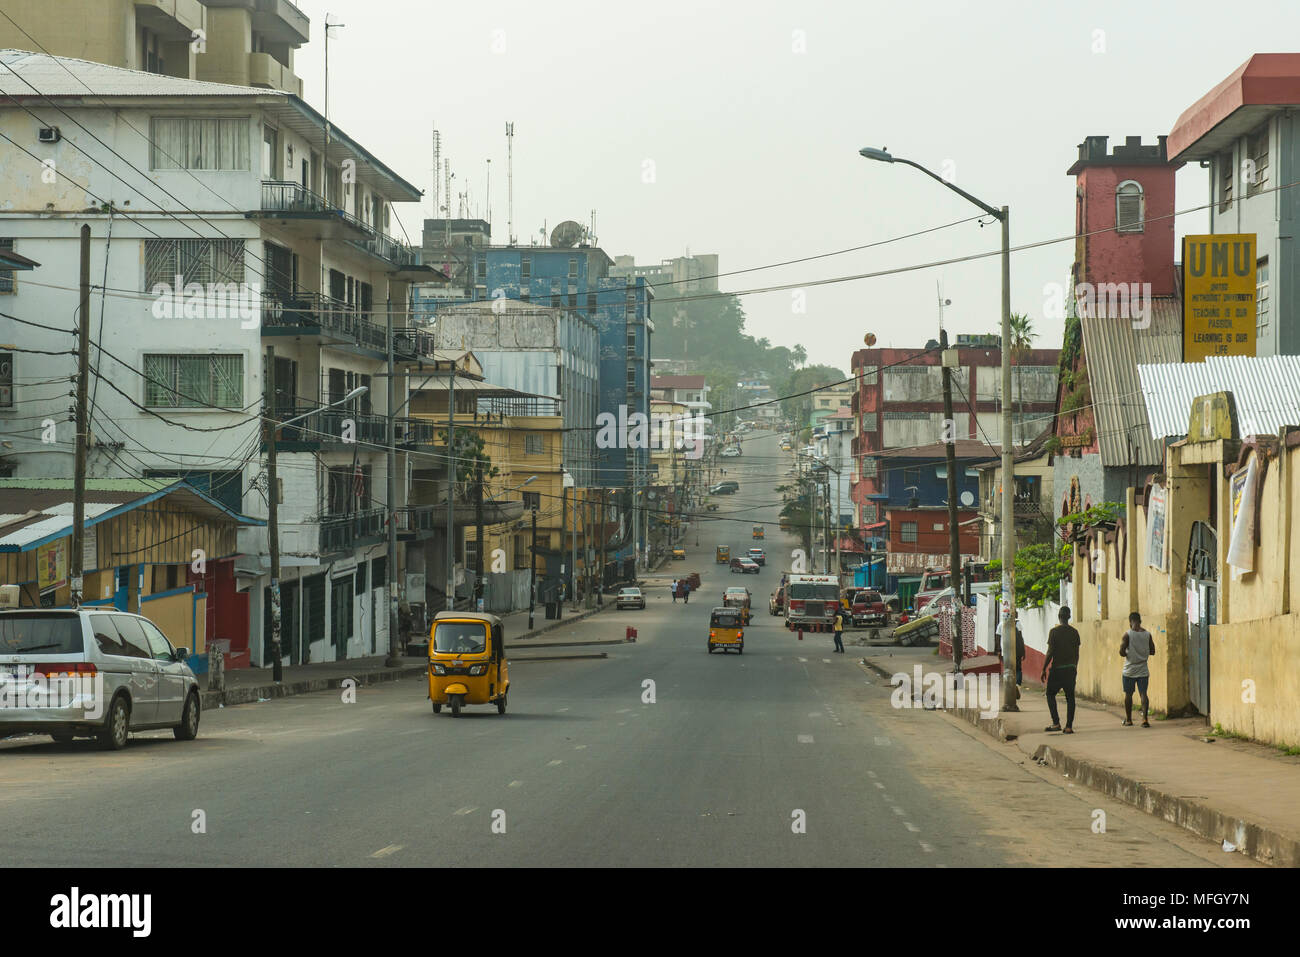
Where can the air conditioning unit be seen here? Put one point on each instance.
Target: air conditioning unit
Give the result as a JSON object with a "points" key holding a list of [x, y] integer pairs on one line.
{"points": [[49, 134]]}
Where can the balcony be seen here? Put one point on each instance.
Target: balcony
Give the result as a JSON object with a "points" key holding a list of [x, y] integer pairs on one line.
{"points": [[311, 314], [326, 427], [266, 71], [171, 19], [411, 344], [288, 201], [280, 21], [416, 522], [342, 533], [412, 433]]}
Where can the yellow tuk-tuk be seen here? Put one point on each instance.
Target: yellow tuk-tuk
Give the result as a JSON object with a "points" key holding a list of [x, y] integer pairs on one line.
{"points": [[726, 630], [758, 531], [785, 524], [724, 554], [467, 661]]}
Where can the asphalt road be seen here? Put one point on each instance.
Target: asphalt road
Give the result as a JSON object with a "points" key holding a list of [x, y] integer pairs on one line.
{"points": [[717, 767]]}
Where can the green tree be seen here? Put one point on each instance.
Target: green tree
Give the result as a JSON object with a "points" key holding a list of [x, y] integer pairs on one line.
{"points": [[1021, 344], [1037, 574]]}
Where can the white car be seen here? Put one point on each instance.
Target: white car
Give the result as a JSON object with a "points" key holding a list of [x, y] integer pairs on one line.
{"points": [[630, 598], [730, 452]]}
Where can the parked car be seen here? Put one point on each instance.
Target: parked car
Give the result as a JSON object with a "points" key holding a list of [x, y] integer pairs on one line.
{"points": [[730, 452], [869, 608], [111, 673], [758, 556], [776, 604], [725, 488], [679, 554], [745, 566], [629, 598]]}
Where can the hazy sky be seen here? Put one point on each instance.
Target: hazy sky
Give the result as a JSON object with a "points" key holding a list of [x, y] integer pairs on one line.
{"points": [[752, 114]]}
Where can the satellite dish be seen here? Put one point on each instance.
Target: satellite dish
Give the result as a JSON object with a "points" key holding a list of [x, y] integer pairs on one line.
{"points": [[568, 234], [967, 498]]}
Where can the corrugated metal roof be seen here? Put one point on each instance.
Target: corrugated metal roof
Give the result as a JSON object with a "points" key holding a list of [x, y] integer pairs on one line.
{"points": [[1113, 350], [49, 76], [1265, 389]]}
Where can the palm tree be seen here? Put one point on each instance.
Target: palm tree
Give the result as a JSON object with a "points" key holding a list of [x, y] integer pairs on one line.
{"points": [[1022, 341]]}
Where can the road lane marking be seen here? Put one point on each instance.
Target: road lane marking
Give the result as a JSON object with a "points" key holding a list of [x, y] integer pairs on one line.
{"points": [[814, 714], [911, 827], [467, 810], [579, 747], [805, 660], [871, 774], [882, 742], [827, 661], [805, 739], [390, 849], [515, 784], [566, 709], [879, 785], [927, 848], [551, 764], [897, 810]]}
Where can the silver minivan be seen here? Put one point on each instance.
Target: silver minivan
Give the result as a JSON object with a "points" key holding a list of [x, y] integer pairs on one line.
{"points": [[92, 672]]}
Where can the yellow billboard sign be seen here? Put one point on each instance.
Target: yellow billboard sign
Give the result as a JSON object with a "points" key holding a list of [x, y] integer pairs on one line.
{"points": [[52, 565], [1218, 296]]}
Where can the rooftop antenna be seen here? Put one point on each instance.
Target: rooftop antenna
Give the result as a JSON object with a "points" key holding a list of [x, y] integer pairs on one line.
{"points": [[942, 302], [591, 236], [510, 183], [488, 201], [437, 167]]}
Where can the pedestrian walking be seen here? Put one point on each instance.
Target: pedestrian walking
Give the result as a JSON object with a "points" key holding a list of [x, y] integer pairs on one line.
{"points": [[686, 592], [839, 631], [1063, 659], [676, 588], [1020, 648], [1135, 648]]}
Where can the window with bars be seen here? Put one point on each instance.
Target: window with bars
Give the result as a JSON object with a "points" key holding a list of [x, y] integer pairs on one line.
{"points": [[573, 269], [870, 467], [1261, 298], [869, 422], [6, 380], [1226, 175], [202, 143], [1128, 207], [907, 532], [534, 443], [201, 261], [194, 381], [870, 511], [6, 276], [526, 267]]}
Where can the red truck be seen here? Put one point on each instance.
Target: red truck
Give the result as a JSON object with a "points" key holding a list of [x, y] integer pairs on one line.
{"points": [[868, 608]]}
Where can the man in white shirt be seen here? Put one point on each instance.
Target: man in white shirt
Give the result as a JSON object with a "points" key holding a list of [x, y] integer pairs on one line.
{"points": [[1135, 648]]}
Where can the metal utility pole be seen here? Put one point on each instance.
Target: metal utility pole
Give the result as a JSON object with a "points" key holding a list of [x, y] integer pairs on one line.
{"points": [[451, 488], [394, 639], [510, 183], [325, 154], [573, 546], [532, 573], [600, 580], [478, 524], [1008, 610], [949, 362], [75, 564], [1009, 690], [273, 516]]}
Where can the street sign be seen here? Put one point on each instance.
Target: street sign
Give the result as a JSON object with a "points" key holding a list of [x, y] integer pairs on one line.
{"points": [[1218, 295]]}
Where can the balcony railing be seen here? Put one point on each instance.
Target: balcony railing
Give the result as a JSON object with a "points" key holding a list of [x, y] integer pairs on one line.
{"points": [[415, 519], [339, 533], [331, 426], [286, 196], [413, 342], [313, 312], [417, 432]]}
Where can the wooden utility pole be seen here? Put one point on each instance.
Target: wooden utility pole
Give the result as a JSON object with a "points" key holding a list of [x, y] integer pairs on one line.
{"points": [[273, 515], [75, 564], [478, 523]]}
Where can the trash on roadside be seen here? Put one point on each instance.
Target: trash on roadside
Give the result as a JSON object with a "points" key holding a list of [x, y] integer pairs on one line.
{"points": [[1228, 846]]}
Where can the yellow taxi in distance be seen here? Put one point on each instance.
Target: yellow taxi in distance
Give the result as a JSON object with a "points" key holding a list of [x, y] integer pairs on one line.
{"points": [[723, 554], [679, 553], [726, 630], [467, 661]]}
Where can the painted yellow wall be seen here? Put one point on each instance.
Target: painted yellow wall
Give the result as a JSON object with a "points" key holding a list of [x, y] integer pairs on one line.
{"points": [[1267, 655]]}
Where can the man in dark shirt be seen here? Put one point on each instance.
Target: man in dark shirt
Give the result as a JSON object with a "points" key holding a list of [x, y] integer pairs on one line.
{"points": [[1063, 659]]}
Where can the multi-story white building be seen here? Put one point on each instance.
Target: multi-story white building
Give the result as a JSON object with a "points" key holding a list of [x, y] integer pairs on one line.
{"points": [[226, 224]]}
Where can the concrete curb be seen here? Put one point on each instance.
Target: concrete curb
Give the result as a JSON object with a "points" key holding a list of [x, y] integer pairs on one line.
{"points": [[255, 693], [1255, 840]]}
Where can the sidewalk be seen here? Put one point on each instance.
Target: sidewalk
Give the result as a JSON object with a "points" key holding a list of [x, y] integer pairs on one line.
{"points": [[1222, 789], [543, 643]]}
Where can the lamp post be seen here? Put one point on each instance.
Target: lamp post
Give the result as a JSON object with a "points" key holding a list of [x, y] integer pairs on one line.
{"points": [[273, 500], [1008, 611]]}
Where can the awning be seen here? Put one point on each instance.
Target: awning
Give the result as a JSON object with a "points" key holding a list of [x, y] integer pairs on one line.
{"points": [[872, 527]]}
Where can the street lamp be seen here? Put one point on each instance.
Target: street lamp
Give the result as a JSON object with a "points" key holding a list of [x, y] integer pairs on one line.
{"points": [[1003, 215], [273, 501]]}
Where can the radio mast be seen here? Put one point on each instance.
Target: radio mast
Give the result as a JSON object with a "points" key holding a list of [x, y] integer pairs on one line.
{"points": [[510, 184]]}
